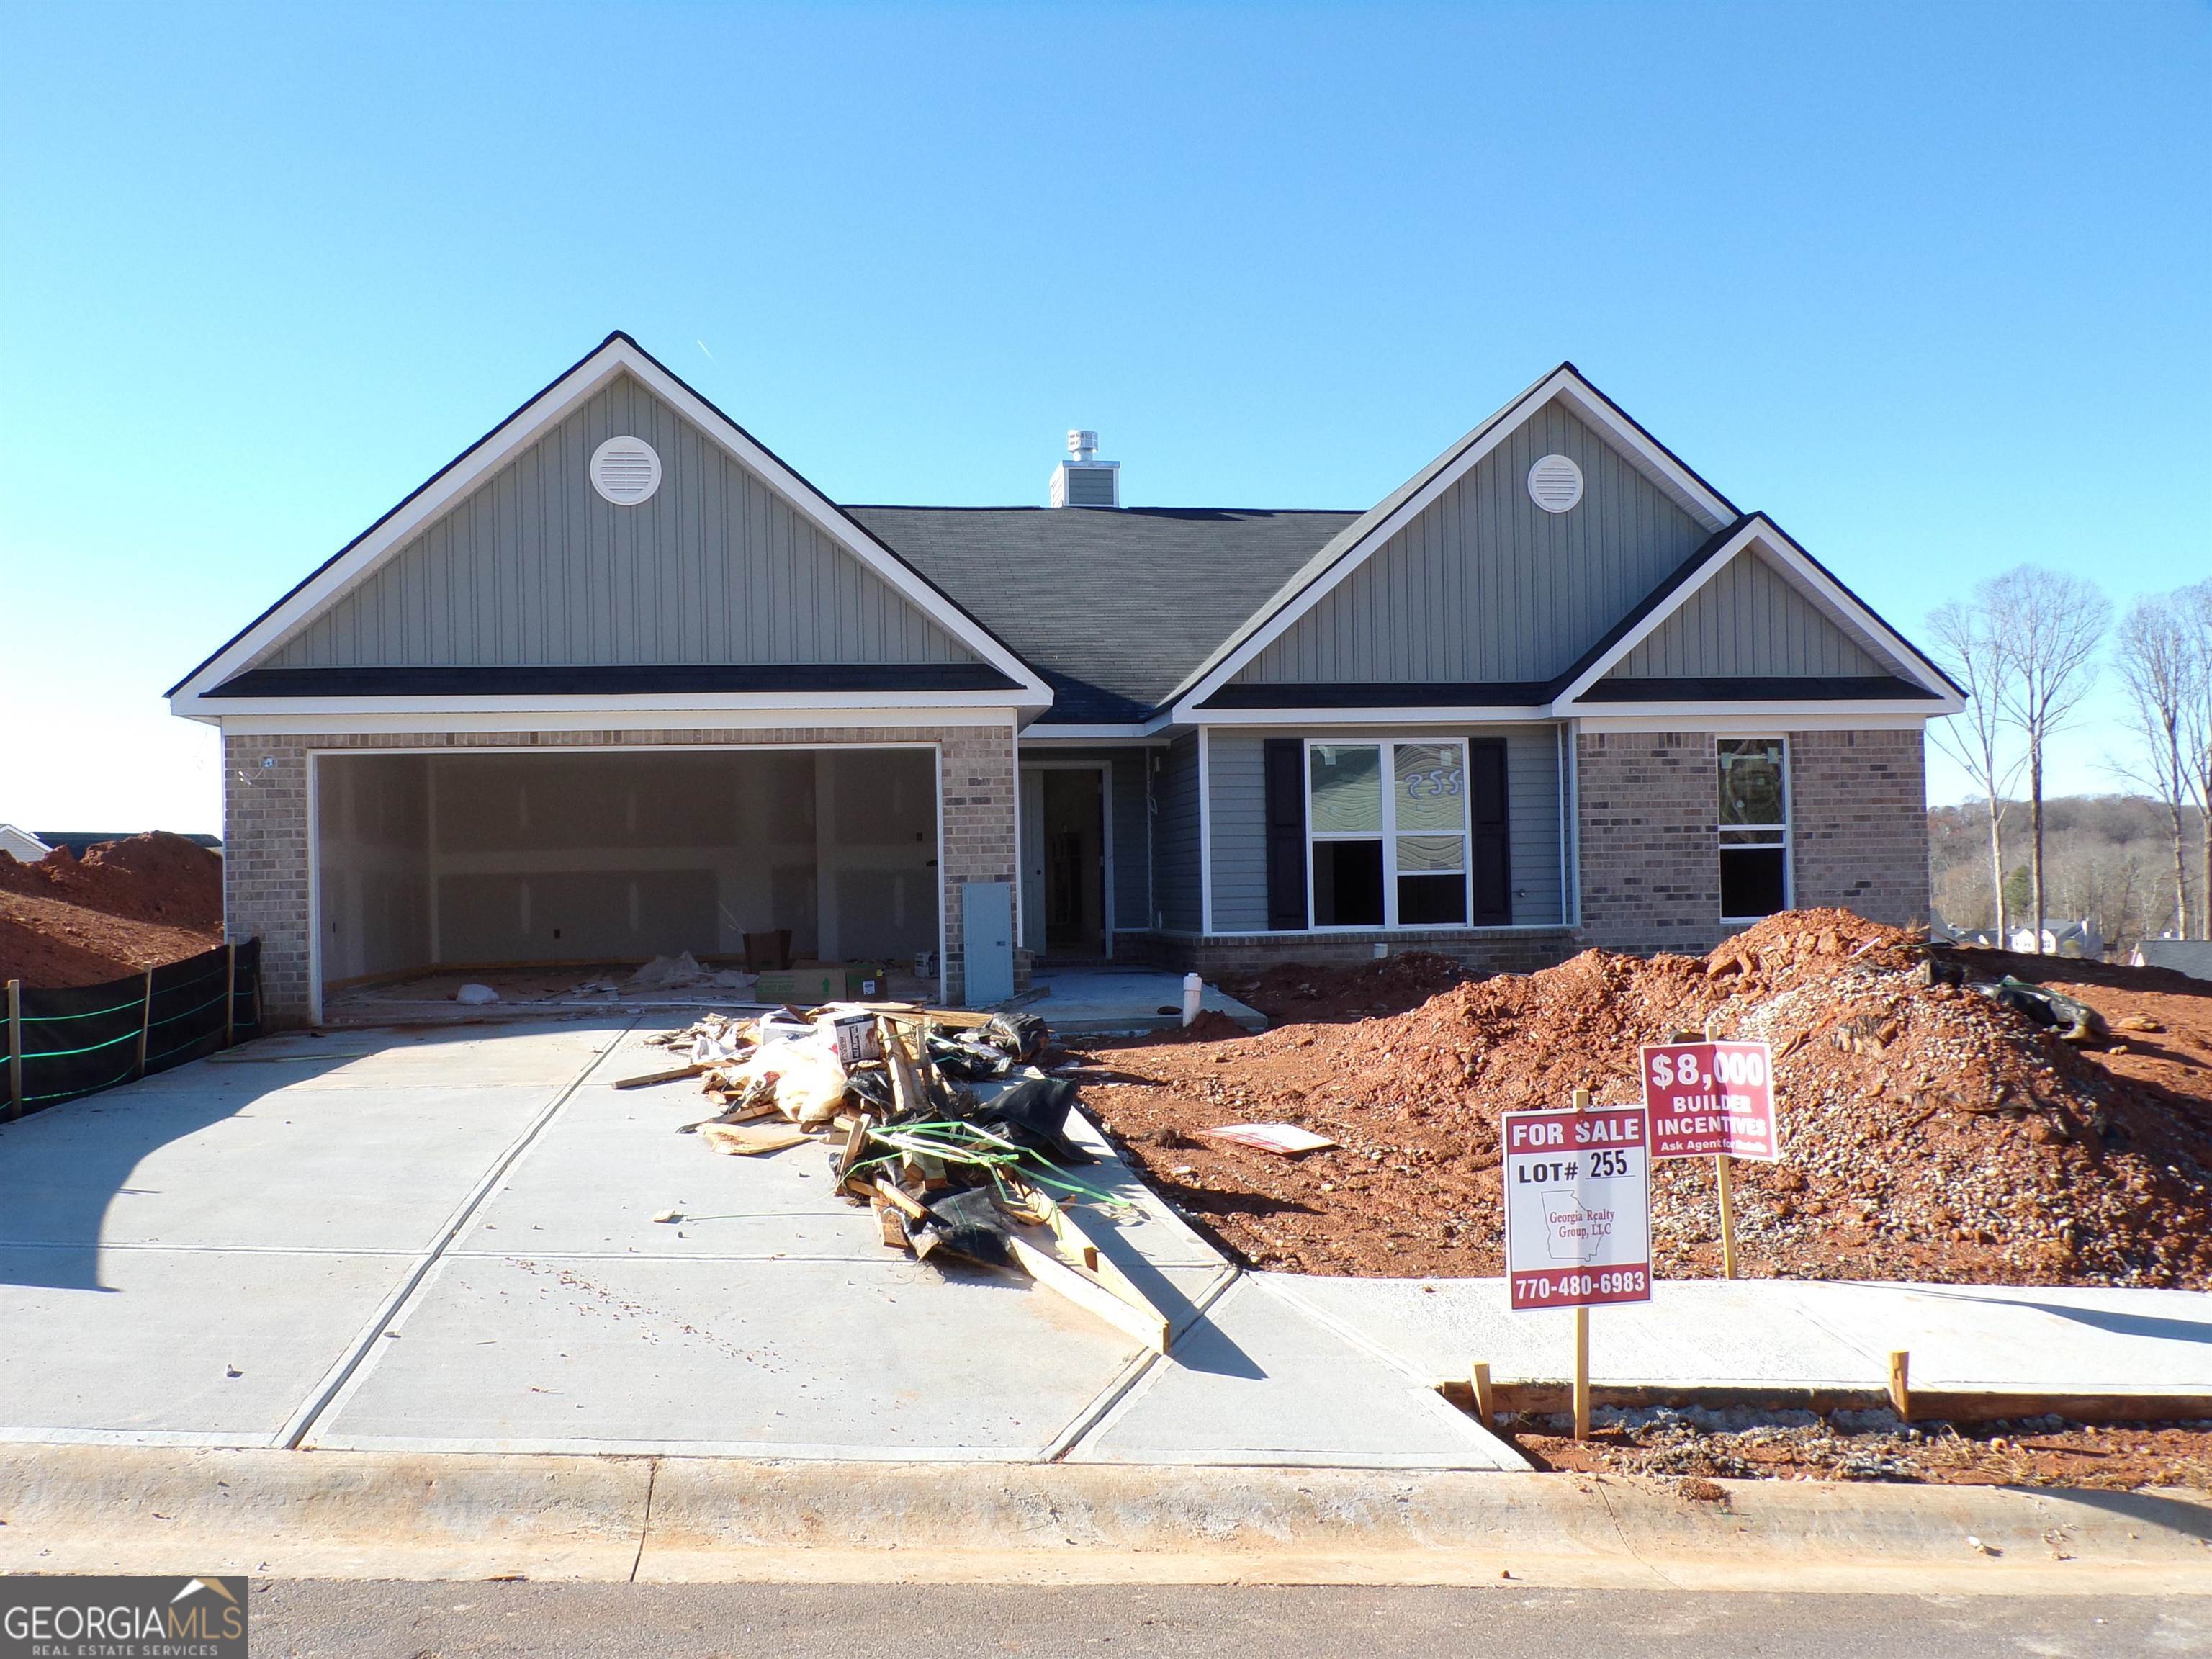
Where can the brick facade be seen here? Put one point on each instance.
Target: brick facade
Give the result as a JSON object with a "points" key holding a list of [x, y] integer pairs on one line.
{"points": [[1651, 848], [1521, 951], [1858, 823], [1647, 805], [266, 823]]}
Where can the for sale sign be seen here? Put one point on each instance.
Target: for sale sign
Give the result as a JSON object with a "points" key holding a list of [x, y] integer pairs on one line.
{"points": [[1578, 1206], [1710, 1099]]}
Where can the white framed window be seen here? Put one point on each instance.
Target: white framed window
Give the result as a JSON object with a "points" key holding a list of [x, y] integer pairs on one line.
{"points": [[1754, 827], [1387, 834]]}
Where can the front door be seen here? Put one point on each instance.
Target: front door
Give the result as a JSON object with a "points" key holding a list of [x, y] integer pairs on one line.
{"points": [[1063, 862]]}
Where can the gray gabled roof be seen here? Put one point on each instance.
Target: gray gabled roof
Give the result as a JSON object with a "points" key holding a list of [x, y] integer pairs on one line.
{"points": [[1111, 605]]}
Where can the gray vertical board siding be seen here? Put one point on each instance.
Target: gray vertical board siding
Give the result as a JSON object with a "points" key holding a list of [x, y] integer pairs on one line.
{"points": [[1485, 585], [533, 567], [1237, 814], [1175, 889], [1749, 619]]}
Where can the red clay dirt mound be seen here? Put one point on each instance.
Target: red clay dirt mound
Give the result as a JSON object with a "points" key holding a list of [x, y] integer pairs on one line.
{"points": [[1294, 991], [126, 907], [156, 877], [1928, 1133]]}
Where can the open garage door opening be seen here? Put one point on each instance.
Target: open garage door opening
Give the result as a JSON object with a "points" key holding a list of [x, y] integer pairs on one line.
{"points": [[426, 864]]}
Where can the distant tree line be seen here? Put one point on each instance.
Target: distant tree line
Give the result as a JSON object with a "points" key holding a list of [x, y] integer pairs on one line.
{"points": [[2027, 648], [2108, 858]]}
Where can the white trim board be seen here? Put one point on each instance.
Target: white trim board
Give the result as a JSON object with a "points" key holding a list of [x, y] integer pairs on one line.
{"points": [[690, 717], [1564, 383], [1759, 534], [617, 355]]}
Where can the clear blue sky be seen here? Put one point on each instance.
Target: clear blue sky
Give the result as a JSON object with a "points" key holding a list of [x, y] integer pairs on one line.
{"points": [[1930, 283]]}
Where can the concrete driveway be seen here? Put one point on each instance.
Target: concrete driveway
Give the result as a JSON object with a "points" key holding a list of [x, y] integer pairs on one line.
{"points": [[442, 1240]]}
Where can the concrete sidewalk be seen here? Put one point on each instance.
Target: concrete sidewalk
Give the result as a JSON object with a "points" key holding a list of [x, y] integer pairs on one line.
{"points": [[1787, 1333]]}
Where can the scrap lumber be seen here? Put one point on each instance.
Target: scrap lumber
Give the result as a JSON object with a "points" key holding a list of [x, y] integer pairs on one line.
{"points": [[906, 1083], [673, 1074], [1047, 1268], [748, 1142]]}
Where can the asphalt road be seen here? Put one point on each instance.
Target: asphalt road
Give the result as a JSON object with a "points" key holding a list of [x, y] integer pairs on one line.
{"points": [[879, 1621]]}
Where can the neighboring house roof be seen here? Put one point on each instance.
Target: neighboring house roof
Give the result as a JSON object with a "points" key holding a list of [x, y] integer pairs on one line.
{"points": [[22, 844], [1112, 605]]}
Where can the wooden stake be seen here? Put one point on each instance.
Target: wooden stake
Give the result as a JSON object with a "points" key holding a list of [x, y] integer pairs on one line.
{"points": [[1728, 1215], [145, 1019], [1484, 1403], [15, 1048], [1582, 1373], [1900, 1384], [1582, 1333]]}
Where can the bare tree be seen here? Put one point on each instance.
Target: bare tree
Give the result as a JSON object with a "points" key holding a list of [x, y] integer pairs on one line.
{"points": [[2157, 655], [1966, 648], [2193, 607], [2047, 626]]}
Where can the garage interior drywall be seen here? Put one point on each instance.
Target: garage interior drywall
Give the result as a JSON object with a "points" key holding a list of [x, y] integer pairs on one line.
{"points": [[431, 860]]}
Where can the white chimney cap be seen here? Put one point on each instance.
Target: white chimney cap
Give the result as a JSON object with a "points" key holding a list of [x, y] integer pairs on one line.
{"points": [[1083, 444]]}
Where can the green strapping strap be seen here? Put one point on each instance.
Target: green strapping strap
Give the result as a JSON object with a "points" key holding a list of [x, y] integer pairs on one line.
{"points": [[56, 1019], [171, 1019], [67, 1094], [60, 1054]]}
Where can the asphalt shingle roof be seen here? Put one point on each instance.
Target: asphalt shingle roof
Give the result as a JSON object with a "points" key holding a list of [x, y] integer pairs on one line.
{"points": [[1113, 607]]}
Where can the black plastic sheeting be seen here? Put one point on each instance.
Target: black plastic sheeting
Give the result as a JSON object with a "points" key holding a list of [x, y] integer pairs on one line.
{"points": [[79, 1041]]}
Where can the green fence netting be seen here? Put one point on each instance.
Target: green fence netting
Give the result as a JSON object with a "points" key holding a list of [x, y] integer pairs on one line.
{"points": [[89, 1037]]}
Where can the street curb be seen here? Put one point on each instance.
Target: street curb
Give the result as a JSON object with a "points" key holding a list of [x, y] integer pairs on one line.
{"points": [[79, 1508]]}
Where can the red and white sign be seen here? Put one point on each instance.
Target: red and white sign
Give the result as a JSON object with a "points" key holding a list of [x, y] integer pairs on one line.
{"points": [[1711, 1100], [1578, 1206]]}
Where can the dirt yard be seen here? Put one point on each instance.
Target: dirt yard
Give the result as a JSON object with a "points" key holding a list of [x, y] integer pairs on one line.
{"points": [[125, 907], [1694, 1449], [1928, 1133]]}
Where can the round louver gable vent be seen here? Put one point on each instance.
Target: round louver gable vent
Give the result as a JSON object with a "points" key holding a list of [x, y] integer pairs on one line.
{"points": [[625, 471], [1555, 483]]}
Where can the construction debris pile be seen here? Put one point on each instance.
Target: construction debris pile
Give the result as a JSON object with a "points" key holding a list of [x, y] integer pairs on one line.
{"points": [[938, 1120], [1932, 1128]]}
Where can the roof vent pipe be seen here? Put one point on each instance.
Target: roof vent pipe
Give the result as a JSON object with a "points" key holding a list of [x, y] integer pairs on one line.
{"points": [[1084, 480]]}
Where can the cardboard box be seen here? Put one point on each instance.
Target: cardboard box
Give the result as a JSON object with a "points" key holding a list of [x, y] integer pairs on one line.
{"points": [[812, 983], [803, 986]]}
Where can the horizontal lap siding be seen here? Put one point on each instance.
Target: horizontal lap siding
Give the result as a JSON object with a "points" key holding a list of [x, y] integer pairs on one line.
{"points": [[1132, 839], [1532, 784], [1484, 585], [1748, 620], [1237, 816], [1175, 836], [533, 567], [1236, 820]]}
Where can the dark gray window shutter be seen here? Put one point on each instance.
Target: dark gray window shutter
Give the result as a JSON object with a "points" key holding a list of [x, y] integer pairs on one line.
{"points": [[1285, 769], [1485, 804]]}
